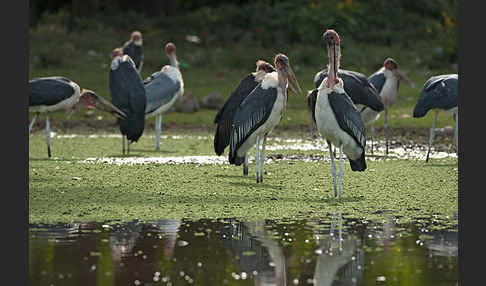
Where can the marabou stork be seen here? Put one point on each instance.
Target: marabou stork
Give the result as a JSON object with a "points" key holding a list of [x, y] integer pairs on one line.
{"points": [[337, 119], [387, 81], [133, 48], [440, 92], [260, 112], [128, 94], [49, 94], [162, 90], [224, 117], [363, 94]]}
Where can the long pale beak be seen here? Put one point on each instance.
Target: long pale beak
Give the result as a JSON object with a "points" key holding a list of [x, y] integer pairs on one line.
{"points": [[402, 76], [293, 80], [105, 105]]}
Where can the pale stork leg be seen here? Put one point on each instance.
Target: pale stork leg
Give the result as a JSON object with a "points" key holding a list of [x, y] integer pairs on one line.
{"points": [[340, 169], [123, 144], [333, 167], [33, 121], [386, 131], [262, 157], [128, 147], [48, 136], [257, 158], [245, 166], [431, 137], [456, 132], [158, 131], [372, 129]]}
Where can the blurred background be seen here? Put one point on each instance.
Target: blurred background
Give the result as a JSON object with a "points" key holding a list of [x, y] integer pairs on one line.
{"points": [[218, 43]]}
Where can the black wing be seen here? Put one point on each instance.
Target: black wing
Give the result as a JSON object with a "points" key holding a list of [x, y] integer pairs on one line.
{"points": [[135, 52], [357, 87], [349, 119], [159, 90], [224, 117], [49, 90], [128, 94], [311, 103], [440, 91], [251, 114]]}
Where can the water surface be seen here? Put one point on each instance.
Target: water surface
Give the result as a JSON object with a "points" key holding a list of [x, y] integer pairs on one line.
{"points": [[332, 250]]}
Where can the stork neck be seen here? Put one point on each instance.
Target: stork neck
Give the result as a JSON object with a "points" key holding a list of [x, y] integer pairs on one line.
{"points": [[282, 81], [173, 61]]}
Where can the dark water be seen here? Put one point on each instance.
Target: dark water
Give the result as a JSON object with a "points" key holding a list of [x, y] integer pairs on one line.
{"points": [[329, 251]]}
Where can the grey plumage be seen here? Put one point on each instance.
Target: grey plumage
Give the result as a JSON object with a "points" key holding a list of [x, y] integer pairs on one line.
{"points": [[49, 90], [440, 92], [160, 89], [253, 111], [128, 94], [357, 87], [349, 120]]}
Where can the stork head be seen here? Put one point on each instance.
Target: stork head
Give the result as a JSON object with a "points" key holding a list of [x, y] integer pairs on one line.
{"points": [[117, 52], [89, 99], [332, 40], [285, 72], [392, 66], [262, 65], [170, 48], [136, 37]]}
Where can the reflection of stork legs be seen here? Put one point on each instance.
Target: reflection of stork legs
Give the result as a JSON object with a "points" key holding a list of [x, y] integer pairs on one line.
{"points": [[33, 121]]}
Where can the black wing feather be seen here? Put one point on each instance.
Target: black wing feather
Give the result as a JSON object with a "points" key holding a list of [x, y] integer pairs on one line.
{"points": [[49, 90], [135, 52], [349, 119], [251, 114], [311, 103], [357, 87], [440, 91], [224, 117], [128, 94]]}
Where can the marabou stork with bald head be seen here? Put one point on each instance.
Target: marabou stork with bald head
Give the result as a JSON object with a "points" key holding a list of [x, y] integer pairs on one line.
{"points": [[440, 92], [134, 49], [260, 112], [49, 94], [337, 118], [387, 81], [224, 117], [162, 90], [128, 94]]}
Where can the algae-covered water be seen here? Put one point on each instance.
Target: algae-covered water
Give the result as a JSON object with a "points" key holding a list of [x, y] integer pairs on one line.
{"points": [[330, 250]]}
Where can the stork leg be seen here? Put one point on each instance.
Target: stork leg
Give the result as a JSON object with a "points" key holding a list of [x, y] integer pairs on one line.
{"points": [[340, 168], [48, 136], [158, 131], [386, 131], [257, 158], [333, 167], [123, 144], [245, 166], [262, 157], [456, 132], [431, 137], [372, 129], [33, 121]]}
